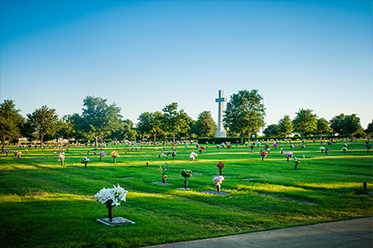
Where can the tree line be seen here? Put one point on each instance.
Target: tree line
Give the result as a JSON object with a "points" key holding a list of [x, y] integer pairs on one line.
{"points": [[244, 116]]}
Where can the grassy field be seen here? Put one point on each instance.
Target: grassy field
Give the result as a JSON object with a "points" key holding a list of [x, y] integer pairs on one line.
{"points": [[45, 204]]}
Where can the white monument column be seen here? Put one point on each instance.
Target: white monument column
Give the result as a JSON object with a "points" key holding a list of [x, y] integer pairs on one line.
{"points": [[221, 133]]}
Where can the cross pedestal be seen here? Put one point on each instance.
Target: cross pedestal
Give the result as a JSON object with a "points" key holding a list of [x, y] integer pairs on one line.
{"points": [[220, 100]]}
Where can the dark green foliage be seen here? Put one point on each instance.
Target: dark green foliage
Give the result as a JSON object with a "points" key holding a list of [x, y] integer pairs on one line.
{"points": [[245, 113]]}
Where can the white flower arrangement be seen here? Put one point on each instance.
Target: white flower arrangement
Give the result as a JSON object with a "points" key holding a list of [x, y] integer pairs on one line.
{"points": [[112, 196]]}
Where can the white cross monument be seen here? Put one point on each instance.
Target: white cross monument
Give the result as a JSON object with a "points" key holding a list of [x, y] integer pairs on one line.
{"points": [[220, 100]]}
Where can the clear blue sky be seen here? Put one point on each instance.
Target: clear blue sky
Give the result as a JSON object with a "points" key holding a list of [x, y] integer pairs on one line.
{"points": [[144, 55]]}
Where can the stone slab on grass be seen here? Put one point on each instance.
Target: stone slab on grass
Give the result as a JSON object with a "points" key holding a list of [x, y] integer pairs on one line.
{"points": [[184, 188], [160, 183], [116, 221], [128, 178], [212, 192]]}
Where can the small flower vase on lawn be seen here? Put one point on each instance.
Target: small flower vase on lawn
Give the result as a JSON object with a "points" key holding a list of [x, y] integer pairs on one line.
{"points": [[296, 160], [110, 209], [220, 165], [218, 180], [111, 198], [264, 154], [186, 174], [114, 154], [368, 148]]}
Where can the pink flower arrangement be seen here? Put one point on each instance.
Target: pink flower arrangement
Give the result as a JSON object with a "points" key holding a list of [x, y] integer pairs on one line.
{"points": [[220, 165]]}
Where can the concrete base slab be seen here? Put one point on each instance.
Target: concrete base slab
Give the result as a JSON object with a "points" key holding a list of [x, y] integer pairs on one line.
{"points": [[116, 221], [160, 183], [211, 192]]}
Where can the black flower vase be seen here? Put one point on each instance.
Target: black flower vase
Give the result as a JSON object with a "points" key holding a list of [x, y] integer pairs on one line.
{"points": [[185, 183], [110, 210], [220, 171], [218, 188]]}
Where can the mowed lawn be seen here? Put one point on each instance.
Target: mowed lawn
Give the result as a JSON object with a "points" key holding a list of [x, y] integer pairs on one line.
{"points": [[45, 204]]}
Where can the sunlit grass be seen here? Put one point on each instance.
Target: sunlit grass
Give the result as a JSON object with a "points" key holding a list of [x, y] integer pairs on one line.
{"points": [[46, 204]]}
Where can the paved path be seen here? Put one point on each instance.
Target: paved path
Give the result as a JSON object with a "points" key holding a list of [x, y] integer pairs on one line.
{"points": [[339, 234]]}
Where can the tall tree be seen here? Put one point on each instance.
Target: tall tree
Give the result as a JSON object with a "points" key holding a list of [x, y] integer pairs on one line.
{"points": [[206, 126], [244, 113], [352, 124], [150, 124], [305, 121], [10, 121], [337, 123], [369, 129], [271, 130], [174, 121], [323, 126], [99, 118], [125, 131], [44, 121], [346, 124], [285, 126]]}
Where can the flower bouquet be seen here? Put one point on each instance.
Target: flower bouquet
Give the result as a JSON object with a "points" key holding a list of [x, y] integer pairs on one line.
{"points": [[296, 161], [220, 165], [17, 154], [322, 149], [264, 154], [229, 146], [163, 169], [218, 180], [111, 197], [186, 174], [85, 161], [193, 155], [326, 151], [368, 148], [61, 158], [173, 154], [201, 149], [275, 145], [102, 154], [114, 154], [288, 155], [252, 148], [344, 149]]}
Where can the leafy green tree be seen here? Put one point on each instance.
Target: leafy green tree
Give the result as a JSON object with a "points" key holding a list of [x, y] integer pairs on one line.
{"points": [[174, 122], [10, 121], [346, 124], [337, 123], [125, 131], [285, 126], [323, 126], [369, 129], [70, 127], [44, 121], [271, 130], [150, 124], [352, 124], [205, 125], [244, 113], [99, 118], [305, 121]]}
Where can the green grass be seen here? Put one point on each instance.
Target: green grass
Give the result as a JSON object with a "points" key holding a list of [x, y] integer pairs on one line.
{"points": [[44, 204]]}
